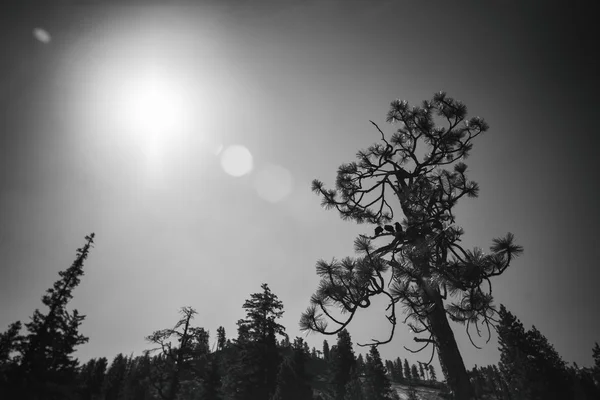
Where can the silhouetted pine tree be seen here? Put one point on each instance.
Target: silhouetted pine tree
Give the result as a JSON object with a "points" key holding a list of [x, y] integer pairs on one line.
{"points": [[411, 184], [596, 367], [91, 378], [292, 379], [432, 372], [252, 374], [46, 367], [325, 350], [355, 387], [377, 385], [360, 365], [211, 382], [530, 365], [341, 363], [221, 339], [114, 381], [407, 373], [398, 375], [9, 341], [414, 372]]}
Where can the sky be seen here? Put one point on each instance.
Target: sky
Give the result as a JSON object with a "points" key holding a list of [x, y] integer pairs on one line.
{"points": [[186, 136]]}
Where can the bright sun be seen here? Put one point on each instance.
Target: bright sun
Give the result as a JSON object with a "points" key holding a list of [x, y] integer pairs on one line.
{"points": [[153, 109]]}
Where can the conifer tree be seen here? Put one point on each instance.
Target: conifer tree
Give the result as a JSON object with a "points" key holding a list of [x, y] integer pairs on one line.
{"points": [[292, 379], [211, 382], [47, 368], [114, 382], [174, 361], [406, 184], [355, 388], [325, 350], [377, 384], [341, 363], [9, 341], [221, 338], [596, 367], [432, 372], [398, 370], [407, 372], [252, 374], [360, 365], [414, 372], [530, 365]]}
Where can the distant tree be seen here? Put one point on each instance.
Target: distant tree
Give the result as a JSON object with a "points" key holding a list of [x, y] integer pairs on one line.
{"points": [[9, 341], [174, 361], [114, 382], [360, 365], [325, 350], [341, 362], [292, 379], [421, 372], [530, 365], [211, 382], [398, 370], [355, 388], [313, 352], [377, 384], [46, 367], [432, 372], [596, 368], [91, 378], [421, 250], [414, 372], [252, 373], [136, 381], [407, 372], [221, 339]]}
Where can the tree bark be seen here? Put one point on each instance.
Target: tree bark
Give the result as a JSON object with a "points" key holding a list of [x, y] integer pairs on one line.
{"points": [[449, 354]]}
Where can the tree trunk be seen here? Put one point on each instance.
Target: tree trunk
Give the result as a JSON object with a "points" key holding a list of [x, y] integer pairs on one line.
{"points": [[449, 355]]}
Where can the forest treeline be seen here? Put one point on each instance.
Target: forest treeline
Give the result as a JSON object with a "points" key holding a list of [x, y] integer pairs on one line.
{"points": [[406, 187], [259, 362]]}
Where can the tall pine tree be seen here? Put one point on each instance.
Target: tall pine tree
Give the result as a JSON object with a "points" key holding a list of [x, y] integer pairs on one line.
{"points": [[47, 368], [341, 363], [529, 363], [377, 384], [407, 187]]}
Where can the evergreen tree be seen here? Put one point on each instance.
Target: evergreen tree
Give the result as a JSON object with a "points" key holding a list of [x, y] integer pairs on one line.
{"points": [[221, 339], [355, 388], [360, 365], [342, 362], [432, 372], [377, 384], [407, 373], [114, 382], [253, 372], [174, 362], [414, 372], [136, 382], [325, 350], [412, 183], [211, 382], [9, 341], [530, 365], [292, 379], [596, 367], [47, 368], [398, 370], [421, 372]]}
